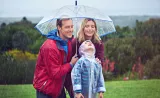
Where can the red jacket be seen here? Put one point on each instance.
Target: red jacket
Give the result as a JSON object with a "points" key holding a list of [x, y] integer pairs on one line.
{"points": [[50, 71]]}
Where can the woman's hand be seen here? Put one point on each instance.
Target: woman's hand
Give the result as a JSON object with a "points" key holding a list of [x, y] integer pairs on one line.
{"points": [[98, 60]]}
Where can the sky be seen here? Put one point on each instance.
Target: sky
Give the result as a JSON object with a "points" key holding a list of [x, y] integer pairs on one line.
{"points": [[38, 8]]}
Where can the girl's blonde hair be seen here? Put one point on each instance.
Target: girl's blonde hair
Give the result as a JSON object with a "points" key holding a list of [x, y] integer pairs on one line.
{"points": [[81, 36]]}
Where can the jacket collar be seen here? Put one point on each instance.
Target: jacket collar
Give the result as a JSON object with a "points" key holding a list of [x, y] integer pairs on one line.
{"points": [[61, 44]]}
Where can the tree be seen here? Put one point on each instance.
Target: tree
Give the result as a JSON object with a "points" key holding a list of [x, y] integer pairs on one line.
{"points": [[150, 28], [3, 25], [152, 68], [20, 41], [121, 51]]}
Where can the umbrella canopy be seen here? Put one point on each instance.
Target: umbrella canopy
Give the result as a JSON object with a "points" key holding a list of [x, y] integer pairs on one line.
{"points": [[77, 13]]}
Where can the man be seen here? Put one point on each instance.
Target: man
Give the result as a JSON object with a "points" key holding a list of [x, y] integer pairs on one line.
{"points": [[54, 62]]}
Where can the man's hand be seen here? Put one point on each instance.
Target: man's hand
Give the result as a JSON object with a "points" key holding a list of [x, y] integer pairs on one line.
{"points": [[79, 95], [100, 95], [74, 60]]}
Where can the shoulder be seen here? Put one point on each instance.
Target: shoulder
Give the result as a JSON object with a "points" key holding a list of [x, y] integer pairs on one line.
{"points": [[98, 45], [49, 44], [82, 59], [101, 43]]}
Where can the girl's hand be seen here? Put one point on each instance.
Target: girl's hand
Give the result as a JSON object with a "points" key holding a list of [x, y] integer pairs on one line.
{"points": [[100, 95], [79, 95]]}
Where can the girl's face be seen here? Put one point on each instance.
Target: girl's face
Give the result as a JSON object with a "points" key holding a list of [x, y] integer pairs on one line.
{"points": [[89, 29], [87, 48], [88, 45]]}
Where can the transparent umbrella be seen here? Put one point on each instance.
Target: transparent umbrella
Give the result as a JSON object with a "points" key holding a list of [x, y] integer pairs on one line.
{"points": [[77, 13]]}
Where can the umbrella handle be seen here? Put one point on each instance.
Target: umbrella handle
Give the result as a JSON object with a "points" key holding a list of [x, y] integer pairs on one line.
{"points": [[76, 47], [75, 2]]}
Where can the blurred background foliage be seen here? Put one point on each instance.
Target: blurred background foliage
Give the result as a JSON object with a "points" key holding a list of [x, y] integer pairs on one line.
{"points": [[20, 43]]}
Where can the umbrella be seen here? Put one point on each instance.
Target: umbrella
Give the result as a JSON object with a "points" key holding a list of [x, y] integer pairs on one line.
{"points": [[77, 13]]}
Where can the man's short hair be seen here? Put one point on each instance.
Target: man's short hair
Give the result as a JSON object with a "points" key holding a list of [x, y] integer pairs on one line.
{"points": [[59, 21]]}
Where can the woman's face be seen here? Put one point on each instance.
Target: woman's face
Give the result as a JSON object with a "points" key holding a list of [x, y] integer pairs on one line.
{"points": [[89, 29]]}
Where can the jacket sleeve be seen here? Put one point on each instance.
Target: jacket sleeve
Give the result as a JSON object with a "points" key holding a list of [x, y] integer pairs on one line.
{"points": [[100, 84], [52, 61], [100, 52], [76, 76]]}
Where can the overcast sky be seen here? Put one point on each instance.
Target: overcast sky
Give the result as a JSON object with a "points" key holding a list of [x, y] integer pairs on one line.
{"points": [[36, 8]]}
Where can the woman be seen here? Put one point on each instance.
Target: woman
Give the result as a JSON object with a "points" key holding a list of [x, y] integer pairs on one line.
{"points": [[88, 31]]}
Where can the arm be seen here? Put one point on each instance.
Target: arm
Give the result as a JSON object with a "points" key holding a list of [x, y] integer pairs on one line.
{"points": [[76, 76], [100, 84], [52, 60], [100, 52]]}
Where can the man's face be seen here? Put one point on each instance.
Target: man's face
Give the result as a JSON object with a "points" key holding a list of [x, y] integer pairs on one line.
{"points": [[66, 30]]}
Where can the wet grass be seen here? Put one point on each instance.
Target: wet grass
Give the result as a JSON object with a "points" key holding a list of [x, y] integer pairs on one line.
{"points": [[17, 91], [133, 89], [115, 89]]}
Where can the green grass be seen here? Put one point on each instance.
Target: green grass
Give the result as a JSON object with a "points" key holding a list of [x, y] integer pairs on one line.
{"points": [[115, 89], [133, 89], [17, 91]]}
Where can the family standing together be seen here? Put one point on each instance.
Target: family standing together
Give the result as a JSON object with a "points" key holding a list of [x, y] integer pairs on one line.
{"points": [[70, 64]]}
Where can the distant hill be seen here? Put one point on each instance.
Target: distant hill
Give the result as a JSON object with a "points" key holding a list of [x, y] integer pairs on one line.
{"points": [[130, 21], [8, 20], [122, 21]]}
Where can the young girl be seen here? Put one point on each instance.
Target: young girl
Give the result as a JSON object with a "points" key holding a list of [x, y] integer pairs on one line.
{"points": [[87, 77]]}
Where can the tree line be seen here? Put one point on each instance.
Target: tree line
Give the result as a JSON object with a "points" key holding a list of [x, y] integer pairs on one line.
{"points": [[122, 47]]}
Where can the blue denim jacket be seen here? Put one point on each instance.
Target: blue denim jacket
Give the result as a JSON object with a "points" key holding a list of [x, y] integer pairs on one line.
{"points": [[87, 77]]}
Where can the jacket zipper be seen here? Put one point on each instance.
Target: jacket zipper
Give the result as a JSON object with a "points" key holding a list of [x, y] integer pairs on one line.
{"points": [[43, 85]]}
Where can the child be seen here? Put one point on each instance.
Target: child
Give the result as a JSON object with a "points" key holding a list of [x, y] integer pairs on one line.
{"points": [[87, 77]]}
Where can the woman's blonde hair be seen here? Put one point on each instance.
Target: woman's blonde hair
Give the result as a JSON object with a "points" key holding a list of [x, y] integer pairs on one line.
{"points": [[81, 36]]}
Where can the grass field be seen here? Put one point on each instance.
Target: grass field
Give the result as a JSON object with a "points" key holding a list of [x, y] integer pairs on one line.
{"points": [[115, 89]]}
